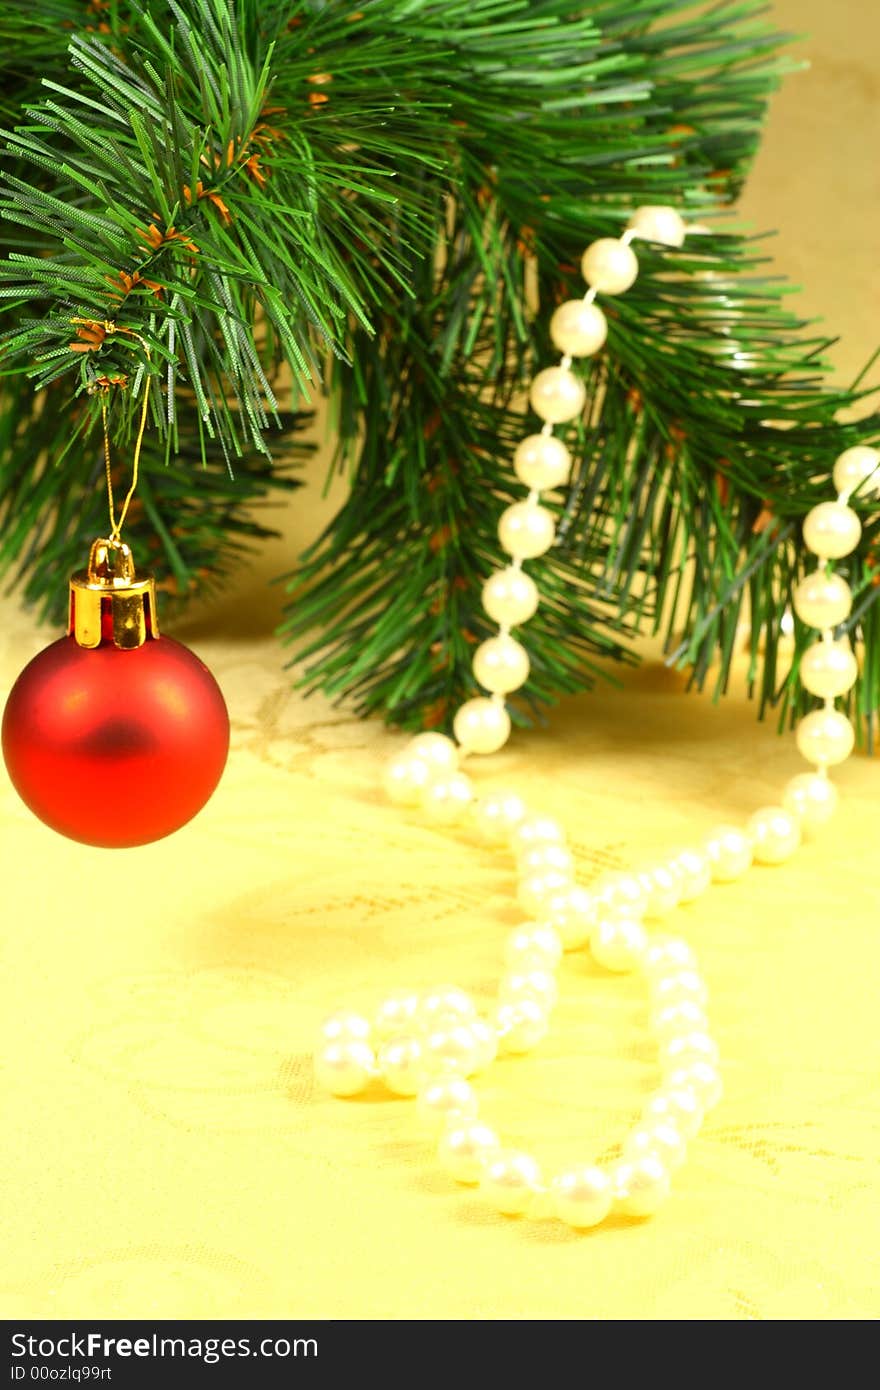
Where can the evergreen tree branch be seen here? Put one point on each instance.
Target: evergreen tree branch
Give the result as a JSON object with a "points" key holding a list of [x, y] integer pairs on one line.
{"points": [[404, 191]]}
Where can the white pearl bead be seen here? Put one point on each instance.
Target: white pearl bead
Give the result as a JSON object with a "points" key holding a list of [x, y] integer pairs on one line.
{"points": [[729, 851], [496, 815], [581, 1197], [680, 1107], [464, 1148], [539, 857], [855, 467], [621, 891], [542, 462], [674, 1020], [395, 1014], [510, 596], [609, 266], [775, 834], [832, 530], [640, 1187], [822, 600], [482, 726], [521, 1026], [535, 892], [573, 914], [701, 1078], [526, 530], [344, 1067], [539, 985], [445, 801], [828, 669], [485, 1041], [661, 224], [436, 749], [677, 987], [444, 1099], [451, 1049], [501, 664], [668, 954], [401, 1062], [533, 946], [510, 1181], [688, 1047], [405, 779], [557, 395], [535, 830], [345, 1024], [578, 329], [825, 737], [619, 943], [696, 873], [662, 887], [812, 798], [660, 1138], [444, 1004]]}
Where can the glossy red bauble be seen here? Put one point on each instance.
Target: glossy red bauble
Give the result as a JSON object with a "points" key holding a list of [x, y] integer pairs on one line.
{"points": [[115, 747]]}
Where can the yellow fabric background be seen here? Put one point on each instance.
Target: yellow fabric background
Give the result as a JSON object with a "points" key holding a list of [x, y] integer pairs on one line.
{"points": [[167, 1154]]}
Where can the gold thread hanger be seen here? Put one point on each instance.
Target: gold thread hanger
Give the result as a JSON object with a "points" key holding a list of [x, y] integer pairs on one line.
{"points": [[116, 525]]}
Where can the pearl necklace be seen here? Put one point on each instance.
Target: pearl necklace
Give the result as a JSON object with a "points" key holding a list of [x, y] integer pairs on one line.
{"points": [[428, 1045]]}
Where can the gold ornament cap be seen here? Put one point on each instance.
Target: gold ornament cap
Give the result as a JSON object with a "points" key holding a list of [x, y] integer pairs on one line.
{"points": [[108, 603]]}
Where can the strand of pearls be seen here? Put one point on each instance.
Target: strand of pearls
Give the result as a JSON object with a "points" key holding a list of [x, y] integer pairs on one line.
{"points": [[429, 1045]]}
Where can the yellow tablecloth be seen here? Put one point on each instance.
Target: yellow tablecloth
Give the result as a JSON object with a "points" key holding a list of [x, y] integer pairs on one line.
{"points": [[168, 1155]]}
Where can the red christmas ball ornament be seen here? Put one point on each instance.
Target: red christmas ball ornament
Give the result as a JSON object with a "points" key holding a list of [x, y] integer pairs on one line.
{"points": [[113, 735]]}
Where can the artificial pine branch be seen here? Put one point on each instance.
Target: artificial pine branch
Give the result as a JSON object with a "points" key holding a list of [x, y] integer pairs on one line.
{"points": [[191, 537], [403, 190]]}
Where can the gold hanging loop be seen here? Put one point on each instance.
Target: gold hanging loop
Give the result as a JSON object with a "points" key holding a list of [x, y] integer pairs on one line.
{"points": [[108, 327], [107, 600], [106, 570]]}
